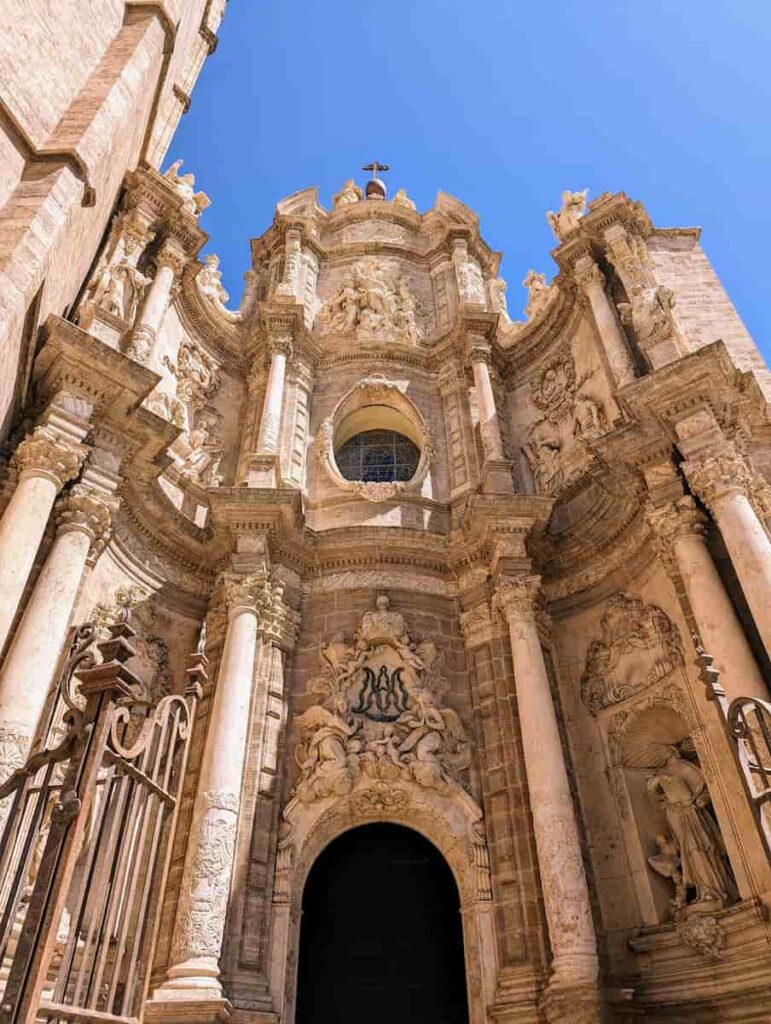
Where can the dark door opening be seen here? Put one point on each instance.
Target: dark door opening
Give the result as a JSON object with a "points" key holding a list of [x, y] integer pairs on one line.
{"points": [[381, 936]]}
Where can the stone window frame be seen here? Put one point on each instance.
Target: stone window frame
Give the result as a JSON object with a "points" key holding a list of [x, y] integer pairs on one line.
{"points": [[375, 403]]}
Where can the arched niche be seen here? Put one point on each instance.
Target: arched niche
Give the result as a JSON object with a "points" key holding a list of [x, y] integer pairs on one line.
{"points": [[451, 822]]}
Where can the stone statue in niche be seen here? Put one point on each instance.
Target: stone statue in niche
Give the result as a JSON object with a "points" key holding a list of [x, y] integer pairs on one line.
{"points": [[118, 289], [649, 315], [209, 281], [348, 194], [573, 207], [572, 412], [639, 646], [381, 714], [373, 300], [184, 185], [700, 875], [167, 406], [200, 450]]}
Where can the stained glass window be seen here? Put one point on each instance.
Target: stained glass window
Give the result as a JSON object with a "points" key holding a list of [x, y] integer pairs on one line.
{"points": [[378, 456]]}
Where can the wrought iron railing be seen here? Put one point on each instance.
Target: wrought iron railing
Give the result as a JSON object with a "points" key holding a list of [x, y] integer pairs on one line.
{"points": [[747, 721], [86, 840]]}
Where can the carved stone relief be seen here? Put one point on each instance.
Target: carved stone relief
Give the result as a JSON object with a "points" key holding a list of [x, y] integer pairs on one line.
{"points": [[374, 301], [639, 645], [381, 714], [571, 412]]}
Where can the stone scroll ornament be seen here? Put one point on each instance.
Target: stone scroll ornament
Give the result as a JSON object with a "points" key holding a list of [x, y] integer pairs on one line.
{"points": [[639, 645], [380, 715]]}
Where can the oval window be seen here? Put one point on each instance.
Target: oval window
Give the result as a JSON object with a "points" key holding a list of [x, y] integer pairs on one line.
{"points": [[378, 456]]}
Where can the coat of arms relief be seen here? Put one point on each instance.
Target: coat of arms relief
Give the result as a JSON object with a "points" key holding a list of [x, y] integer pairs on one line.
{"points": [[380, 714]]}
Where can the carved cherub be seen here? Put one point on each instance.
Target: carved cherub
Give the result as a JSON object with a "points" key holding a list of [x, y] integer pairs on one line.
{"points": [[573, 207], [209, 280], [402, 199]]}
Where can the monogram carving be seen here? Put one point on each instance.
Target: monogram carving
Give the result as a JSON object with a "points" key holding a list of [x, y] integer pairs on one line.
{"points": [[381, 714], [639, 646]]}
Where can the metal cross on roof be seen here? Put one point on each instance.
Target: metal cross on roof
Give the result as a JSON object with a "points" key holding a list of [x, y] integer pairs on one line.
{"points": [[375, 167]]}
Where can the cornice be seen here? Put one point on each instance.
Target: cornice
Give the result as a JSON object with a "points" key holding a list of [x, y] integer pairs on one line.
{"points": [[536, 341]]}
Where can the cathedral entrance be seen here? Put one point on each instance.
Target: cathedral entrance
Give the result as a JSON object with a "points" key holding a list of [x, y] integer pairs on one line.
{"points": [[381, 935]]}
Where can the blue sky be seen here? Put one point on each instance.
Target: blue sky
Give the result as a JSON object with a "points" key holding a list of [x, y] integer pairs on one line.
{"points": [[503, 104]]}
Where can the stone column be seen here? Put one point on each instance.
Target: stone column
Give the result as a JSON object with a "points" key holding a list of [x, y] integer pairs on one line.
{"points": [[28, 671], [722, 481], [169, 262], [679, 529], [590, 280], [194, 974], [571, 994], [496, 470], [270, 422], [45, 462]]}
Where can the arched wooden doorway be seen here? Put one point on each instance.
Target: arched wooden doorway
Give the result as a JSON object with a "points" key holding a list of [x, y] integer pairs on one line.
{"points": [[381, 935]]}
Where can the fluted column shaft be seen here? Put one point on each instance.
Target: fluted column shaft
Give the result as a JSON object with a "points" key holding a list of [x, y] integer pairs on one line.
{"points": [[680, 529], [563, 881], [200, 923], [28, 671], [488, 414], [46, 463], [270, 422], [591, 282], [722, 481]]}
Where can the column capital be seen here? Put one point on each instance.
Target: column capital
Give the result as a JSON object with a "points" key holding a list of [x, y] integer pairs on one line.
{"points": [[718, 476], [46, 453], [478, 350], [280, 344], [680, 518], [84, 509], [172, 256], [516, 597], [244, 592], [476, 626], [587, 274]]}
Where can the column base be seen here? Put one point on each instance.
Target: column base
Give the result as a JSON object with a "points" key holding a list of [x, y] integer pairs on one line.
{"points": [[186, 1009], [496, 477], [565, 1003], [264, 471]]}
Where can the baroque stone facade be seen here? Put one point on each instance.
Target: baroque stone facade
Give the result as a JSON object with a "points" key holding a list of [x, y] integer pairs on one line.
{"points": [[456, 571]]}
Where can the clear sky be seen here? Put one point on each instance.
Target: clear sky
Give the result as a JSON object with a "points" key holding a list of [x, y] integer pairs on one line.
{"points": [[503, 104]]}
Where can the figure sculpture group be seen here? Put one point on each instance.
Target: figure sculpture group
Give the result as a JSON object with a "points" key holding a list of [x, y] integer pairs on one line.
{"points": [[373, 300]]}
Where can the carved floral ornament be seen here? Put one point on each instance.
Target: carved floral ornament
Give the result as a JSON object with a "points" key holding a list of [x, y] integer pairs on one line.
{"points": [[639, 646], [376, 402]]}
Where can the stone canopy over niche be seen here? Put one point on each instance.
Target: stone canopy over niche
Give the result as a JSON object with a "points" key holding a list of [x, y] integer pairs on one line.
{"points": [[639, 645], [380, 714]]}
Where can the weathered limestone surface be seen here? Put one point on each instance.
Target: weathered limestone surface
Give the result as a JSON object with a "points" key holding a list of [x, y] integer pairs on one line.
{"points": [[493, 636]]}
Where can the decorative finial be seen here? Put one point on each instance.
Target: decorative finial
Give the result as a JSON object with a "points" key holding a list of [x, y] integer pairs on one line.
{"points": [[375, 189]]}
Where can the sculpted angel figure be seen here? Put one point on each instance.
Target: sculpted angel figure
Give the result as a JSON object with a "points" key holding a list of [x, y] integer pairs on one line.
{"points": [[435, 747], [327, 752], [184, 184], [538, 293], [573, 207], [680, 788]]}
